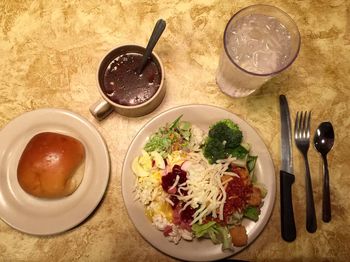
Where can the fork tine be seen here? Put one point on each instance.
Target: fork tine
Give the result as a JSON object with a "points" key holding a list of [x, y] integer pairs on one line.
{"points": [[308, 125], [304, 125], [300, 126], [296, 126]]}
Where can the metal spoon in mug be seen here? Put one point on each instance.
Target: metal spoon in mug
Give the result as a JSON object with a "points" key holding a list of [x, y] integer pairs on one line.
{"points": [[157, 32], [323, 142]]}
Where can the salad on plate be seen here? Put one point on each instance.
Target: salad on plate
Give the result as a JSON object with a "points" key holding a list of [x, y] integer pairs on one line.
{"points": [[195, 184]]}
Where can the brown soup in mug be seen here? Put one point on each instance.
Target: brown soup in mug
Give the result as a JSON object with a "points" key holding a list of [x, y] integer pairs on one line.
{"points": [[124, 85]]}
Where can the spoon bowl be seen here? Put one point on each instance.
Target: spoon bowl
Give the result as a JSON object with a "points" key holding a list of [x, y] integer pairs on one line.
{"points": [[323, 142], [324, 138]]}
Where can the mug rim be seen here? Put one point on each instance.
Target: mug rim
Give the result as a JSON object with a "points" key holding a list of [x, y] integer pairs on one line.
{"points": [[161, 84]]}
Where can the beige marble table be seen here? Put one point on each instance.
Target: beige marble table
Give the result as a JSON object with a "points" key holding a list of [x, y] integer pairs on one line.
{"points": [[50, 51]]}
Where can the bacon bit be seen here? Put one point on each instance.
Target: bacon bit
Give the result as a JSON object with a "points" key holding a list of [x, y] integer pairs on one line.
{"points": [[225, 179], [237, 194], [243, 173], [232, 197]]}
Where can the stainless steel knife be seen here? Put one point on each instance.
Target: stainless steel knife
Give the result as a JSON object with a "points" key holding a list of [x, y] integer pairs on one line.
{"points": [[288, 230]]}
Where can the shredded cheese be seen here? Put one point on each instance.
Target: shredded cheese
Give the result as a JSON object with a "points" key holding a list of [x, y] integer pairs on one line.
{"points": [[205, 190], [167, 199], [177, 178]]}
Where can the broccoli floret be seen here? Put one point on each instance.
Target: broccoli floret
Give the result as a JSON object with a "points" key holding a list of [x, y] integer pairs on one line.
{"points": [[213, 150], [224, 139], [229, 123], [231, 137]]}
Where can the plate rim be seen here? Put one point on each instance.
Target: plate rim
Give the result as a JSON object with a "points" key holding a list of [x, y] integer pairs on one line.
{"points": [[105, 160], [273, 189]]}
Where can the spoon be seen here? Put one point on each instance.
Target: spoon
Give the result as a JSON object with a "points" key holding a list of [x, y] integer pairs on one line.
{"points": [[323, 142], [157, 32]]}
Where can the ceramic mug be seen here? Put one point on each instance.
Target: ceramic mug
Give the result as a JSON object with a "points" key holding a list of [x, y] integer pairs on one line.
{"points": [[102, 108]]}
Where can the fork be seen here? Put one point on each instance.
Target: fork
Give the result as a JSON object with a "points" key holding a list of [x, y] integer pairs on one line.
{"points": [[302, 141]]}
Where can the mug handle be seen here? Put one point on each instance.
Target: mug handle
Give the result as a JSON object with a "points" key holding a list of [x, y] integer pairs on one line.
{"points": [[101, 109]]}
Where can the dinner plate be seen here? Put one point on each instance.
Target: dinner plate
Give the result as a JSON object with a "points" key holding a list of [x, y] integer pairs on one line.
{"points": [[40, 216], [197, 250]]}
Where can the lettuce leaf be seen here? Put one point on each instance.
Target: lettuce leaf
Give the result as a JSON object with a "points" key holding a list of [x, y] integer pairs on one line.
{"points": [[200, 230], [252, 213], [251, 161], [218, 234], [178, 132]]}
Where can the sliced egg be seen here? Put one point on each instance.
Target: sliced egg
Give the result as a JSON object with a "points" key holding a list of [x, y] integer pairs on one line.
{"points": [[158, 159], [145, 160], [137, 168]]}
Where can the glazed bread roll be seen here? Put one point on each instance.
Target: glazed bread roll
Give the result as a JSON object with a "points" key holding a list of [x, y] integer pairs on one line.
{"points": [[51, 165]]}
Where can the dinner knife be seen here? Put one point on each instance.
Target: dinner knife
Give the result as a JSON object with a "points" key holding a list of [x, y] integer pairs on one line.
{"points": [[288, 230]]}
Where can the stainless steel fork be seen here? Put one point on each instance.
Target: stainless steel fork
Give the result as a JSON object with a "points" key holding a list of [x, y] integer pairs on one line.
{"points": [[302, 141]]}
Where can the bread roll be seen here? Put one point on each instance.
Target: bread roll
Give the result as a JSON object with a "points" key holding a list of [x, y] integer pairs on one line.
{"points": [[51, 165]]}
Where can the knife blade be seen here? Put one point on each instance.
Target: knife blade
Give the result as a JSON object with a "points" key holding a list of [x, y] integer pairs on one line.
{"points": [[288, 230]]}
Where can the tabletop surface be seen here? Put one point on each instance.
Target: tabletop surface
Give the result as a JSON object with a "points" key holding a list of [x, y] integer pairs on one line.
{"points": [[50, 51]]}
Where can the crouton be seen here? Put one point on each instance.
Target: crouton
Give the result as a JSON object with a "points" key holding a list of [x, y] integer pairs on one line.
{"points": [[239, 236]]}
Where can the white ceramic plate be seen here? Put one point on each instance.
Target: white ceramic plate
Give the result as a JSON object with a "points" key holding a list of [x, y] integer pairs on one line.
{"points": [[202, 116], [39, 216]]}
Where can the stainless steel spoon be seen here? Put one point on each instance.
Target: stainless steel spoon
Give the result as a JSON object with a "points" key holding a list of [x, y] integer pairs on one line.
{"points": [[157, 32], [323, 142]]}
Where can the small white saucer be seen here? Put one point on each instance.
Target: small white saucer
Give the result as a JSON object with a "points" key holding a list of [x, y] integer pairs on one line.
{"points": [[39, 216]]}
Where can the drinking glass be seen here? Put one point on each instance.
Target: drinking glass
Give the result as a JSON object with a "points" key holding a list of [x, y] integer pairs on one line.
{"points": [[260, 41]]}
